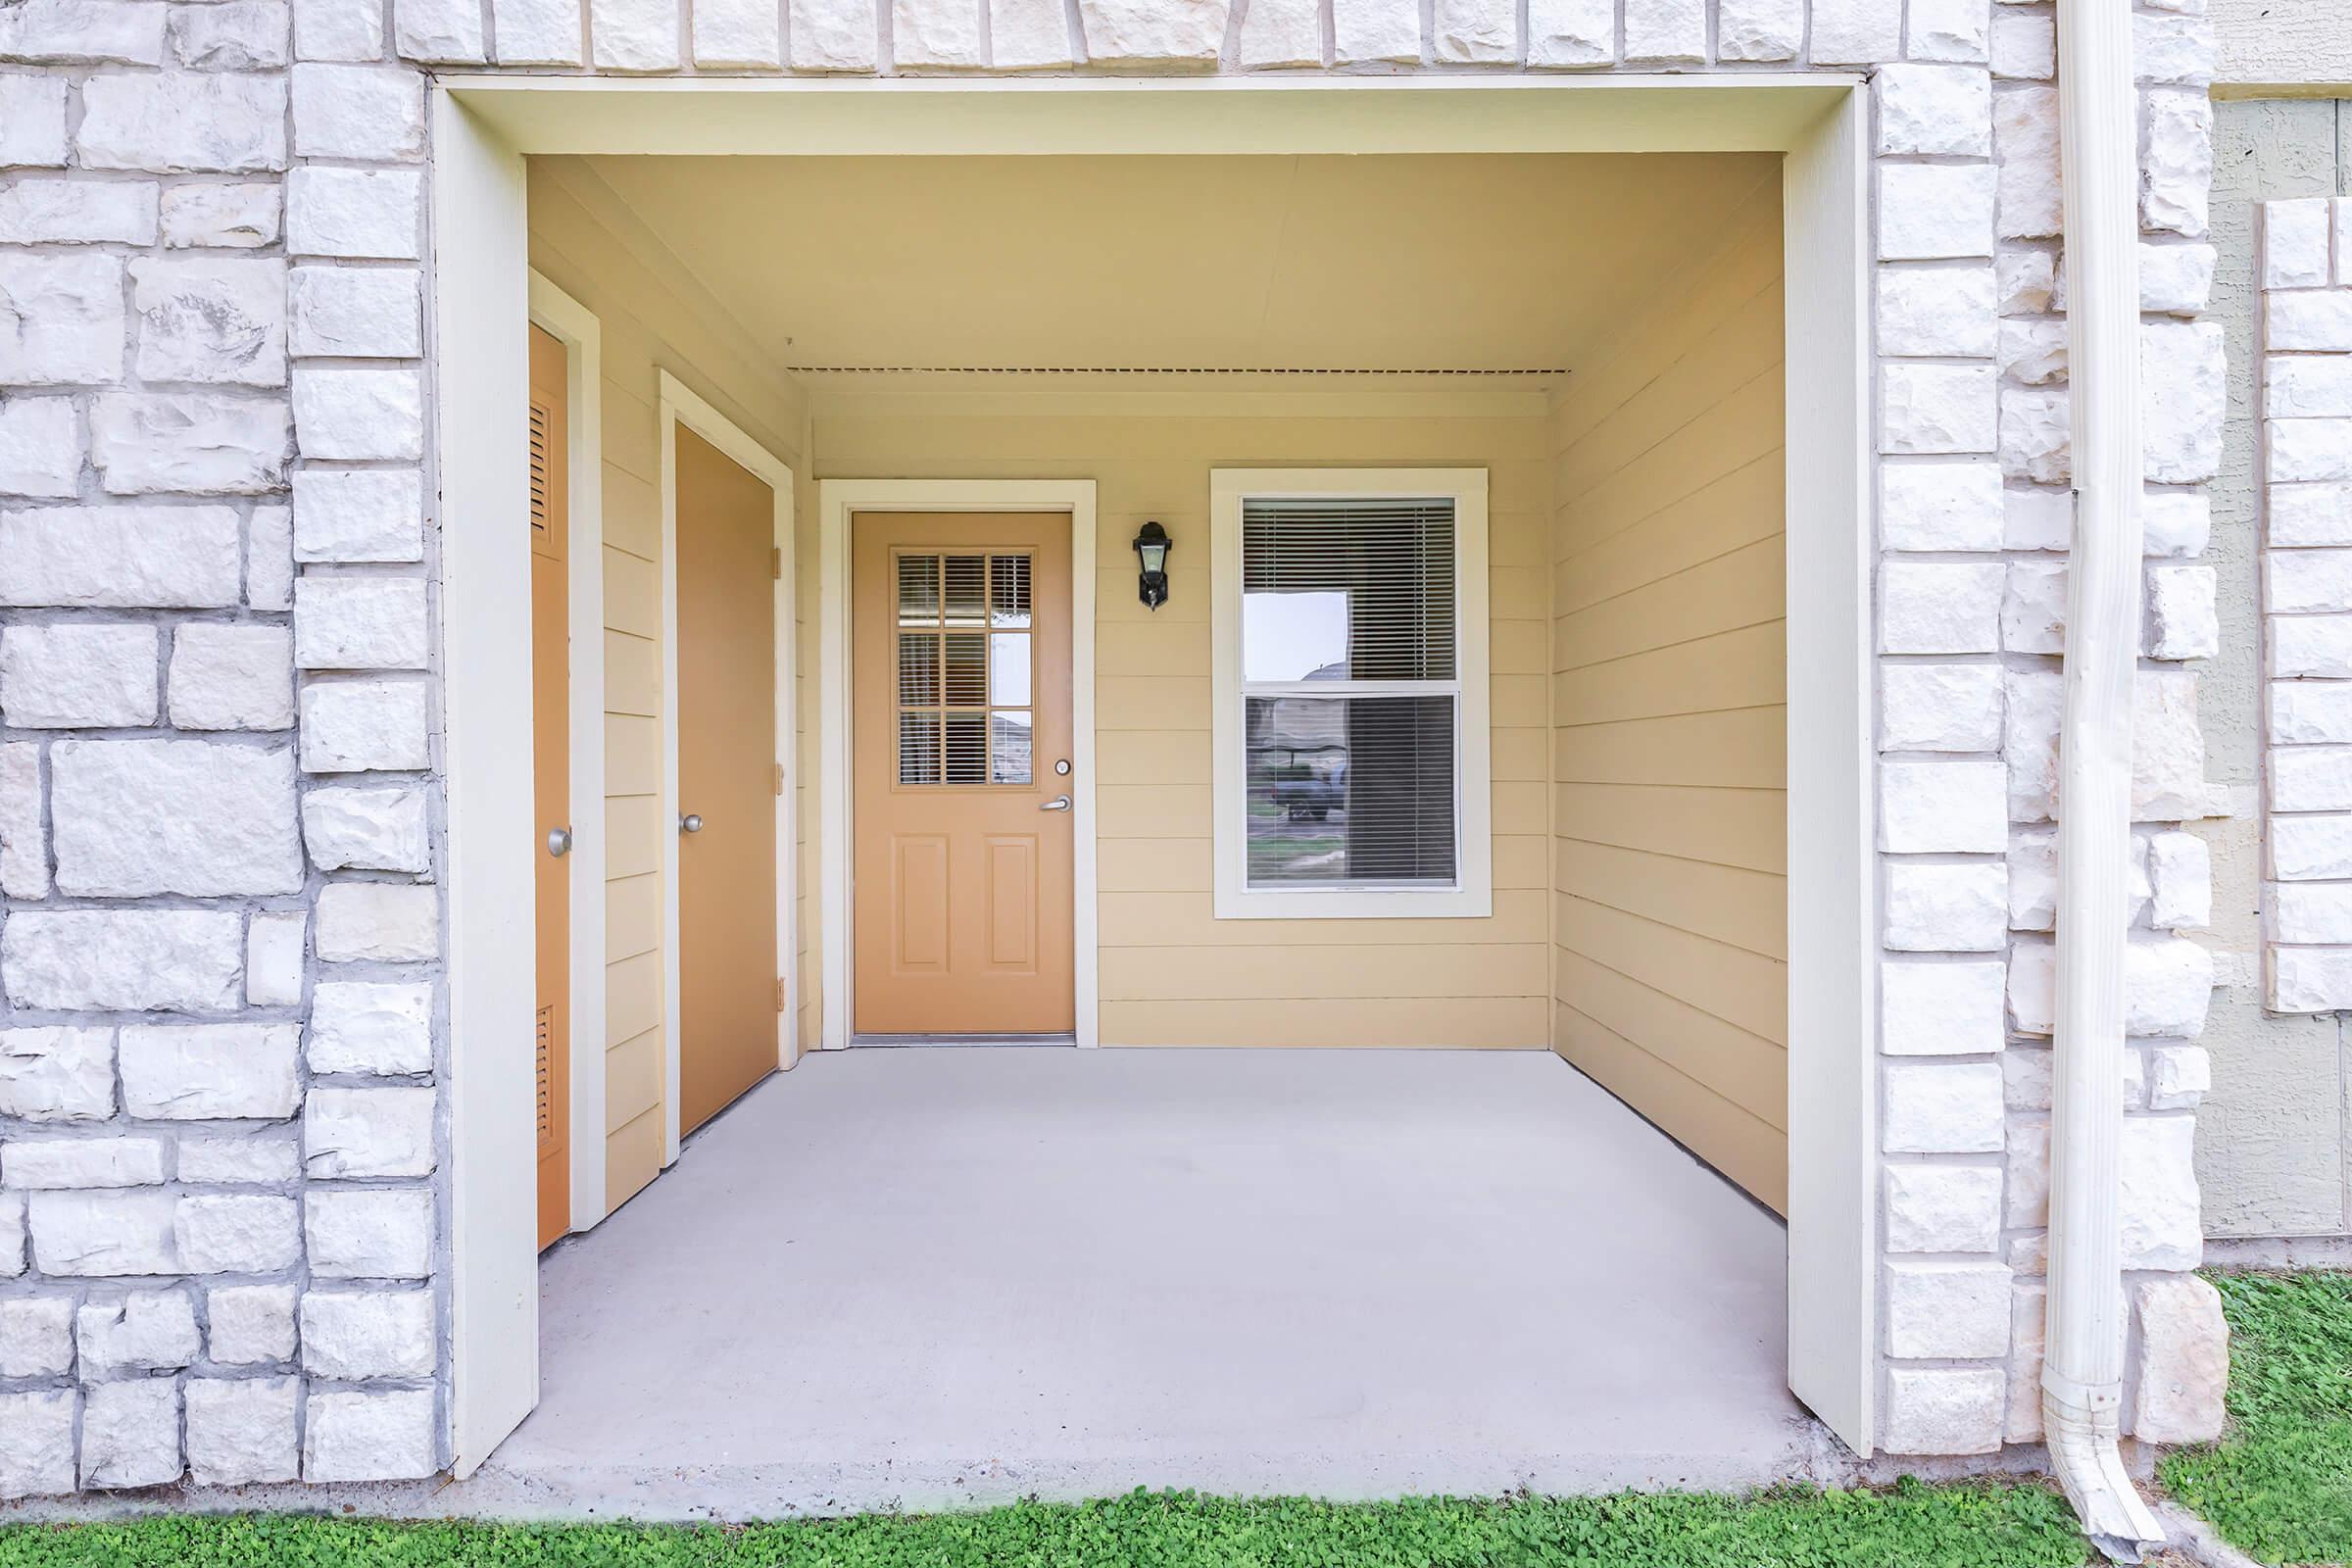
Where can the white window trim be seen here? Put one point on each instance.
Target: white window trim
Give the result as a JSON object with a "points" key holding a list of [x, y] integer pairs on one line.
{"points": [[1472, 896]]}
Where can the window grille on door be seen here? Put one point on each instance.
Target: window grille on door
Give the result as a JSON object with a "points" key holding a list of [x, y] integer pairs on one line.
{"points": [[965, 675]]}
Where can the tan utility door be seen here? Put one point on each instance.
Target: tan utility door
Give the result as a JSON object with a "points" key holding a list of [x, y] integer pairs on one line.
{"points": [[960, 714], [551, 771], [730, 993]]}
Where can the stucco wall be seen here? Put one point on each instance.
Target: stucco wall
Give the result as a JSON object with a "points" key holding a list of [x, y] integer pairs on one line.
{"points": [[2267, 44]]}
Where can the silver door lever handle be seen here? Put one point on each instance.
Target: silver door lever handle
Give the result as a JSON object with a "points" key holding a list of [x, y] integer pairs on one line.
{"points": [[691, 822], [1060, 802]]}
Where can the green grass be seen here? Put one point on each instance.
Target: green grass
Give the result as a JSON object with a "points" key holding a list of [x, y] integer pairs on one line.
{"points": [[1973, 1526], [2279, 1483]]}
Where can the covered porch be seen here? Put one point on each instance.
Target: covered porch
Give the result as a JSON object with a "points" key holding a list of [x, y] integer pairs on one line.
{"points": [[925, 1277]]}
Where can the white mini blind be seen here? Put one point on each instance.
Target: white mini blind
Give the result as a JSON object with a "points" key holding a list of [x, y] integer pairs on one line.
{"points": [[1351, 710]]}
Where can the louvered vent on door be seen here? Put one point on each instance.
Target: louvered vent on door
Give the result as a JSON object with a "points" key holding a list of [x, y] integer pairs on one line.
{"points": [[542, 418], [546, 1108]]}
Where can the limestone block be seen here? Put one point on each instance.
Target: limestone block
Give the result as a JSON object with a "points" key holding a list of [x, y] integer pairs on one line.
{"points": [[273, 947], [241, 1430], [197, 1072], [367, 829], [353, 212], [2033, 609], [2301, 386], [1379, 31], [382, 922], [2183, 390], [436, 31], [1946, 909], [238, 1160], [249, 1325], [355, 1336], [353, 1133], [1943, 1109], [1943, 1410], [1153, 34], [183, 123], [131, 960], [2178, 1077], [2038, 519], [2305, 712], [1938, 408], [11, 1234], [1759, 29], [148, 1331], [2307, 780], [23, 845], [1929, 212], [65, 318], [2176, 162], [77, 31], [358, 414], [360, 622], [237, 35], [2033, 881], [1941, 808], [80, 1235], [36, 1336], [222, 216], [1940, 608], [70, 674], [130, 1434], [2176, 525], [1957, 31], [2026, 1172], [2310, 979], [1947, 1309], [40, 446], [370, 111], [76, 212], [37, 1442], [237, 1233], [188, 443], [232, 677], [2181, 876], [357, 314], [359, 513], [1936, 311], [1940, 506], [2025, 280], [1939, 708], [1666, 30], [1939, 1009], [935, 34], [2311, 912], [2178, 51], [2311, 847], [370, 1027], [135, 818], [537, 32], [369, 1233], [369, 1437], [2023, 45], [2167, 985], [2310, 324], [2024, 143], [1943, 1209], [2176, 278], [1935, 109], [1572, 34], [2033, 352], [33, 135], [2308, 450], [2161, 1224], [749, 36], [351, 726], [2181, 620], [633, 35], [60, 1164], [57, 1073], [2029, 1313], [2295, 237], [833, 34], [269, 559], [2034, 431], [1857, 33], [1030, 35]]}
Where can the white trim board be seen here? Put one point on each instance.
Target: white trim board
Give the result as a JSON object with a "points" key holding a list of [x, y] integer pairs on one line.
{"points": [[682, 404], [839, 501], [576, 327]]}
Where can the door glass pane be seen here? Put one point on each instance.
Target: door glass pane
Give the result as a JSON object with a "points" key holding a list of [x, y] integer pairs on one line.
{"points": [[918, 749], [1009, 748], [968, 668], [967, 749], [919, 590], [965, 575], [1008, 591], [1351, 789], [919, 670], [1008, 668]]}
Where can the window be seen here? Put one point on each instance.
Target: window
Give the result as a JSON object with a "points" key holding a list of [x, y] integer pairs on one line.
{"points": [[1351, 713], [963, 668]]}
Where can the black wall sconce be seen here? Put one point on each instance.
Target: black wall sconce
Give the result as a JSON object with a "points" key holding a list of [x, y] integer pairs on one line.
{"points": [[1151, 549]]}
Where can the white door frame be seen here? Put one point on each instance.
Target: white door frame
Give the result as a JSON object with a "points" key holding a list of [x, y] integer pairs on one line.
{"points": [[484, 125], [838, 504], [681, 405], [576, 327]]}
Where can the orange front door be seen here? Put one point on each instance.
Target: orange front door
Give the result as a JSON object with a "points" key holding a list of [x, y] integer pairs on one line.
{"points": [[960, 727], [729, 993], [550, 772]]}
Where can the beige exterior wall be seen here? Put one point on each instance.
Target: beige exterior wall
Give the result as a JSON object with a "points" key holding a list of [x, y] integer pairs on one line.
{"points": [[653, 318], [1668, 686], [1171, 974]]}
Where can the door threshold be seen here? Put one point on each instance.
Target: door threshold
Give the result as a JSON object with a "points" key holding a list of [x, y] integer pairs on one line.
{"points": [[888, 1042]]}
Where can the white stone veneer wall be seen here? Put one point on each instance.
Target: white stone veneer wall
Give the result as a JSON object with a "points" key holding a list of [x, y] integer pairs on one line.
{"points": [[219, 804]]}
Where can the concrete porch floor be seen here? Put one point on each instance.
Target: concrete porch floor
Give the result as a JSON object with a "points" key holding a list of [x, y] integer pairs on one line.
{"points": [[924, 1278]]}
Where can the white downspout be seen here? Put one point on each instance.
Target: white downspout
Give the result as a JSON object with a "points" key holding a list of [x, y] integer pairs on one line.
{"points": [[2083, 1370]]}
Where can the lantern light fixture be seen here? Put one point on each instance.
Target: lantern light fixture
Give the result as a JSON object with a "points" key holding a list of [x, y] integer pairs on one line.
{"points": [[1152, 546]]}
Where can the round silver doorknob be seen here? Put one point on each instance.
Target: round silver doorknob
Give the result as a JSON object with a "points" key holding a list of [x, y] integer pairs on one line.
{"points": [[559, 841], [691, 822]]}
